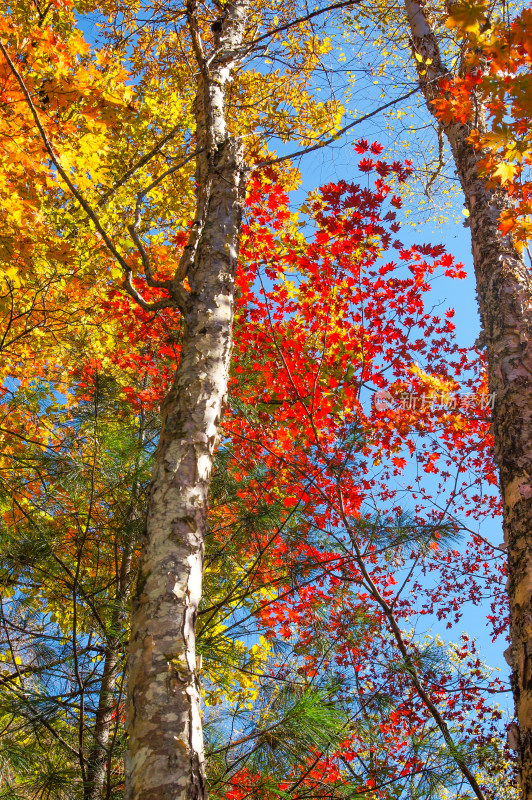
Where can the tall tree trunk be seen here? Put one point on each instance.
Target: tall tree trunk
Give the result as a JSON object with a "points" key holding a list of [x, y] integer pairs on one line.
{"points": [[165, 757], [99, 754], [504, 291]]}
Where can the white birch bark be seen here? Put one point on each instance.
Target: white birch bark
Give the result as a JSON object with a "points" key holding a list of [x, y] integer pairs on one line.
{"points": [[165, 757], [504, 291]]}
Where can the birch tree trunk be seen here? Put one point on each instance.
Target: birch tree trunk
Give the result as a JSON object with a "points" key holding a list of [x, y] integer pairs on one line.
{"points": [[165, 757], [504, 291]]}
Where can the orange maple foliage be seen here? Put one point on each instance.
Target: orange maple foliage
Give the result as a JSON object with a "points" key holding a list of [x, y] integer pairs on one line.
{"points": [[497, 73]]}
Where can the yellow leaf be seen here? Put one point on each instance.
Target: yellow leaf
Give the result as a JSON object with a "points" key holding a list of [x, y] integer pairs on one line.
{"points": [[505, 172], [467, 15]]}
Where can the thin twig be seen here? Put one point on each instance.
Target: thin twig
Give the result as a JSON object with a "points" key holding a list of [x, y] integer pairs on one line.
{"points": [[301, 20], [336, 135], [140, 163]]}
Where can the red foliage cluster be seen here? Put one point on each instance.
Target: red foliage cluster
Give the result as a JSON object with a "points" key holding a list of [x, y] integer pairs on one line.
{"points": [[375, 498], [372, 497]]}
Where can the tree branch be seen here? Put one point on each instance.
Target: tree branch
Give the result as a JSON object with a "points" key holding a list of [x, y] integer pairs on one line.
{"points": [[301, 20], [337, 135], [170, 303], [140, 163]]}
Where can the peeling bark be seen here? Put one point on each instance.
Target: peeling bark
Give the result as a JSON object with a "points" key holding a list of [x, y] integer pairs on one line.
{"points": [[165, 757], [504, 292]]}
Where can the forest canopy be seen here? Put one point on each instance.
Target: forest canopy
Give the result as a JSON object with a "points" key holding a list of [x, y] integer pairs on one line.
{"points": [[265, 500]]}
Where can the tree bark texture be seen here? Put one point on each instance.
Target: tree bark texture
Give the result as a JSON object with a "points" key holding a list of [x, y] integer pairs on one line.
{"points": [[504, 292], [165, 756]]}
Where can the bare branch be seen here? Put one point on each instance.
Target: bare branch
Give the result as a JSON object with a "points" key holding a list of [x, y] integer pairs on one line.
{"points": [[339, 133], [195, 35], [301, 20]]}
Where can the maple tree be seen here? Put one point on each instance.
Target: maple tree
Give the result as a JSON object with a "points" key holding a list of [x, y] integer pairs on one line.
{"points": [[199, 283], [502, 275], [496, 70], [328, 438], [106, 194], [281, 551], [472, 68]]}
